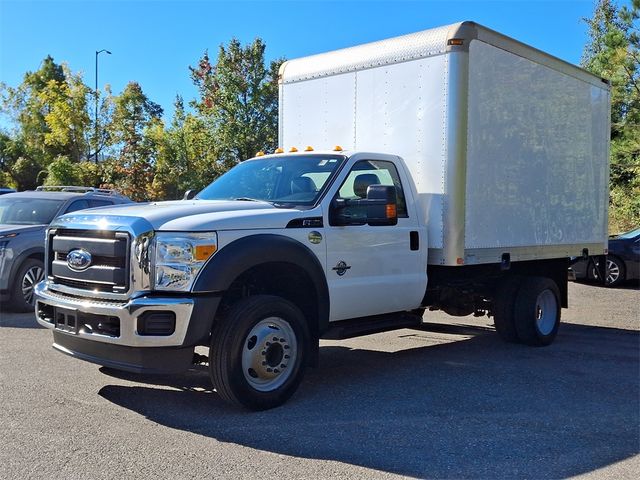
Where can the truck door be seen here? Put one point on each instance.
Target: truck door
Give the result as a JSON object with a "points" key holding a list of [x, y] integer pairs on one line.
{"points": [[374, 269]]}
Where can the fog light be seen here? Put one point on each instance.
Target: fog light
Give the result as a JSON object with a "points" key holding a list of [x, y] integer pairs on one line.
{"points": [[157, 323]]}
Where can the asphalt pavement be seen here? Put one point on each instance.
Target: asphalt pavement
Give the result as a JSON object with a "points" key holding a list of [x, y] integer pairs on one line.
{"points": [[450, 400]]}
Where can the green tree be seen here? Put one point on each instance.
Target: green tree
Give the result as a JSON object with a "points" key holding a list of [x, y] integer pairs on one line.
{"points": [[133, 131], [10, 151], [62, 172], [67, 119], [613, 52], [28, 109], [188, 159], [239, 98], [50, 114]]}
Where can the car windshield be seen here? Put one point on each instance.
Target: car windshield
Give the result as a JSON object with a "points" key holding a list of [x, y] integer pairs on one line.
{"points": [[631, 234], [290, 180], [28, 211]]}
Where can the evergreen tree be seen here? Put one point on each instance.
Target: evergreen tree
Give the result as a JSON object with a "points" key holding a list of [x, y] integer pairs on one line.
{"points": [[613, 52]]}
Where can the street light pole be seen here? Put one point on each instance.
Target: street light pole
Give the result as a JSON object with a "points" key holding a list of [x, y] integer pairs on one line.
{"points": [[98, 52]]}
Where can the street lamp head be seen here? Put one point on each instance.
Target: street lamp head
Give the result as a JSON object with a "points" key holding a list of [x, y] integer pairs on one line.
{"points": [[103, 50]]}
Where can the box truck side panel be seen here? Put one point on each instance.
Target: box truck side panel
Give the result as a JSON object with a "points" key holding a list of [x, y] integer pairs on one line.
{"points": [[537, 164]]}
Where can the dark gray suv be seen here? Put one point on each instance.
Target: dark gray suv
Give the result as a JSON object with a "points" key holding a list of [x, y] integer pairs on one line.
{"points": [[24, 217]]}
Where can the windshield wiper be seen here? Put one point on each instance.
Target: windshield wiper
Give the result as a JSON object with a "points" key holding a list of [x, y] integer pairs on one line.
{"points": [[248, 199]]}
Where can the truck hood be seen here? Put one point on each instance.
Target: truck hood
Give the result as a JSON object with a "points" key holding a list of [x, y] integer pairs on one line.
{"points": [[191, 216]]}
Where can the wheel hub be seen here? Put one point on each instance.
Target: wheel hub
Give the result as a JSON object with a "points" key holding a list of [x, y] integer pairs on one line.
{"points": [[546, 312], [269, 352]]}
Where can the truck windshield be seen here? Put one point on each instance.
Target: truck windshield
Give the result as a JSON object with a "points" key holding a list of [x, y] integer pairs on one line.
{"points": [[289, 180]]}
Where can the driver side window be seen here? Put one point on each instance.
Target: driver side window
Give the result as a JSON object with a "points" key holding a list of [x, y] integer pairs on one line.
{"points": [[373, 172]]}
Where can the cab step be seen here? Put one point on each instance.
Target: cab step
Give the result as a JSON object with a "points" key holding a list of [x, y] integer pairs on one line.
{"points": [[368, 325]]}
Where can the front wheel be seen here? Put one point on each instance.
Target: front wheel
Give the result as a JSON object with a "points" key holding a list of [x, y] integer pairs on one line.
{"points": [[258, 352]]}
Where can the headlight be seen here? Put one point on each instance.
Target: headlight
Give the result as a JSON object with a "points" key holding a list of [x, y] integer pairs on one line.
{"points": [[179, 258]]}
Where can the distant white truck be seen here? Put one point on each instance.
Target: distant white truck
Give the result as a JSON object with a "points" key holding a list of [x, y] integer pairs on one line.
{"points": [[452, 169]]}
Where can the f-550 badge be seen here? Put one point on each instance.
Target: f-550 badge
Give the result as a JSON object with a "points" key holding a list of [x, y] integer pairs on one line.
{"points": [[341, 268]]}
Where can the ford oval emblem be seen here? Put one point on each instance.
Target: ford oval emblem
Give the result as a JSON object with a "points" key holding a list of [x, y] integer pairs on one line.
{"points": [[78, 260]]}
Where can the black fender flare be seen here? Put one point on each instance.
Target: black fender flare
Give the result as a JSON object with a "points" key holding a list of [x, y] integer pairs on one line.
{"points": [[245, 253]]}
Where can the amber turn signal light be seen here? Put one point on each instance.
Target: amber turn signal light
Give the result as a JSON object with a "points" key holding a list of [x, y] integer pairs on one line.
{"points": [[203, 252]]}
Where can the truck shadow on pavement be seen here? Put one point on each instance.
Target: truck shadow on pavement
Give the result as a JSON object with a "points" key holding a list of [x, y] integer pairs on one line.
{"points": [[473, 408]]}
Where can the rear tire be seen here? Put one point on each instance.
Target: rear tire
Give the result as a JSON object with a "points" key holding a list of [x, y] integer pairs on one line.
{"points": [[29, 274], [504, 309], [258, 352], [537, 311]]}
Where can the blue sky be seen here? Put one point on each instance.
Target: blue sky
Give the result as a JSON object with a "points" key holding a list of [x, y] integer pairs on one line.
{"points": [[153, 42]]}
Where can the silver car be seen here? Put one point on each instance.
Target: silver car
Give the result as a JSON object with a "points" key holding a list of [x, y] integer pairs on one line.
{"points": [[24, 217]]}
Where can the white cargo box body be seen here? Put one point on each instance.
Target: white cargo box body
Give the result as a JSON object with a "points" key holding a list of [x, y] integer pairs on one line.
{"points": [[507, 146]]}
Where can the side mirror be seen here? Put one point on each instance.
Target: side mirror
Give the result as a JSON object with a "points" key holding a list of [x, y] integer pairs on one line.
{"points": [[378, 209], [189, 194], [382, 208]]}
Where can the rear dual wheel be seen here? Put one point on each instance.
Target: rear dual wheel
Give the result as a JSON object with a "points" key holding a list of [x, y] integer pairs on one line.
{"points": [[527, 310], [258, 352]]}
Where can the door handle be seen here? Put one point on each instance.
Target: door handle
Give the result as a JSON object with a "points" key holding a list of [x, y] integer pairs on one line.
{"points": [[414, 240]]}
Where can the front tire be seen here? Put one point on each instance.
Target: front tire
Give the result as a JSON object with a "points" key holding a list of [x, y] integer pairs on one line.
{"points": [[258, 352], [29, 274], [537, 311]]}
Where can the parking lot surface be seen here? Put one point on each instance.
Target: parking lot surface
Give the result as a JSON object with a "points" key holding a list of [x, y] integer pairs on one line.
{"points": [[448, 401]]}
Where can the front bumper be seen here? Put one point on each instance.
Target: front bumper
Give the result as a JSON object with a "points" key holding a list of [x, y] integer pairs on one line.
{"points": [[108, 332], [126, 312]]}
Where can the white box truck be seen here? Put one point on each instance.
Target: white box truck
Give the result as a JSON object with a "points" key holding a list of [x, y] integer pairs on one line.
{"points": [[452, 169]]}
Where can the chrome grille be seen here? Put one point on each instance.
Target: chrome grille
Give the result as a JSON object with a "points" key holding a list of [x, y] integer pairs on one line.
{"points": [[109, 268]]}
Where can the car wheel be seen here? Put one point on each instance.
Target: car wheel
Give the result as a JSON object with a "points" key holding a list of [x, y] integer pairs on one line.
{"points": [[537, 311], [29, 274], [258, 352], [615, 272]]}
